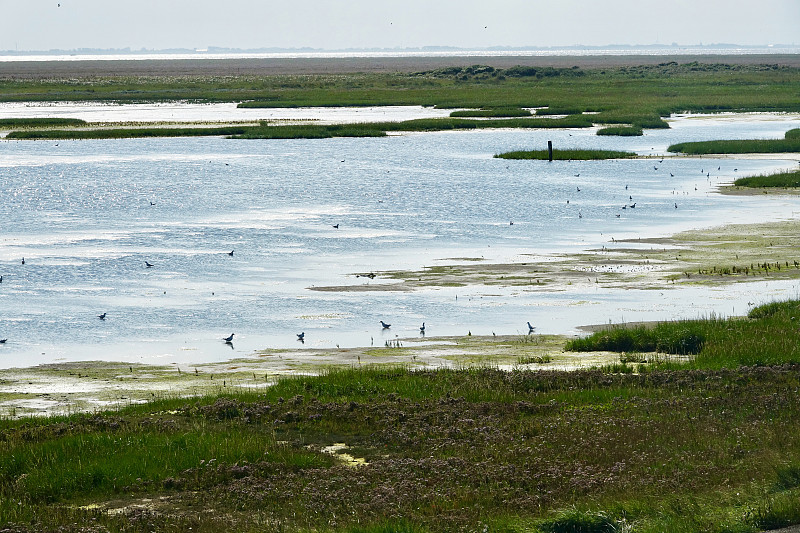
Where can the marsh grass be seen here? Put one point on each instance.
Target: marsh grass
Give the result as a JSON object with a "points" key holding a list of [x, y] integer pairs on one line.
{"points": [[447, 450], [770, 335], [39, 122], [621, 131], [790, 143], [780, 179], [567, 155], [127, 133]]}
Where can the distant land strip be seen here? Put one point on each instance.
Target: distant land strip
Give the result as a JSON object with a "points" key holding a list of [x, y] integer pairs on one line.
{"points": [[342, 65]]}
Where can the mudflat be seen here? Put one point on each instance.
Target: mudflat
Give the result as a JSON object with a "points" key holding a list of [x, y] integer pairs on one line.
{"points": [[344, 65]]}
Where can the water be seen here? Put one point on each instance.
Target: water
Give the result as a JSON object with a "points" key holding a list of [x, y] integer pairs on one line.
{"points": [[80, 214]]}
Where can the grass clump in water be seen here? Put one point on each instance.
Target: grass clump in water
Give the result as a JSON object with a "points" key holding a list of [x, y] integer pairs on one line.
{"points": [[567, 155], [780, 179], [39, 122], [790, 143], [621, 131]]}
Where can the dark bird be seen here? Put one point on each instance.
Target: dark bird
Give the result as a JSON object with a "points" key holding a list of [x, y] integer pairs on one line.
{"points": [[102, 317], [530, 328], [633, 205], [230, 253], [3, 341], [671, 175], [1, 279], [228, 339], [152, 203], [578, 175], [511, 223], [655, 167], [23, 260], [579, 189], [676, 205], [385, 325], [422, 328], [301, 336], [336, 226], [148, 265]]}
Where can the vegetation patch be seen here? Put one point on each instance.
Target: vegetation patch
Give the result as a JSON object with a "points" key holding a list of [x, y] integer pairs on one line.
{"points": [[39, 122], [780, 179], [790, 143], [567, 155], [714, 343], [622, 131]]}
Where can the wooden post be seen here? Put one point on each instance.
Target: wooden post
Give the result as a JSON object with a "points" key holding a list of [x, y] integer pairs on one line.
{"points": [[550, 150]]}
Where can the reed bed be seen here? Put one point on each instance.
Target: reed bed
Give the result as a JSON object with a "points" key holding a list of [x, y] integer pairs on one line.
{"points": [[622, 131], [780, 179], [39, 122], [566, 155], [790, 143]]}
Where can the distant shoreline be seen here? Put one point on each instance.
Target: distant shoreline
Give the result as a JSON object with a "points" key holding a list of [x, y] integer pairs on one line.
{"points": [[347, 65]]}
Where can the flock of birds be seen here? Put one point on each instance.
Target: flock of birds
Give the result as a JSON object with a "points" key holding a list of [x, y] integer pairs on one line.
{"points": [[385, 326]]}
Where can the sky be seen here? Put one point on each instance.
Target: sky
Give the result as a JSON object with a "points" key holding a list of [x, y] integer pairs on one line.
{"points": [[35, 25]]}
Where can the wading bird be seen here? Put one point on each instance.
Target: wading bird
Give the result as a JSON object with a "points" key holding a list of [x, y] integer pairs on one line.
{"points": [[148, 265], [228, 339], [422, 328], [530, 328], [301, 336], [102, 317], [385, 325]]}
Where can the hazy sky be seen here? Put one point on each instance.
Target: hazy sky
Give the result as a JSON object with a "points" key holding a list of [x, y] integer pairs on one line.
{"points": [[334, 24]]}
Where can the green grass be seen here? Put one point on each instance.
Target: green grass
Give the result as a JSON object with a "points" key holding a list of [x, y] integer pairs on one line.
{"points": [[639, 96], [621, 131], [769, 336], [780, 179], [39, 122], [126, 133], [790, 143], [566, 155]]}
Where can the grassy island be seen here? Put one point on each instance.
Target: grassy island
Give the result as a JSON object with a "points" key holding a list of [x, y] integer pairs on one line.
{"points": [[566, 155], [790, 143]]}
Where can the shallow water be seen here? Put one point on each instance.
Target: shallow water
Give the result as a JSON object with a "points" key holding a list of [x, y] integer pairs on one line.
{"points": [[80, 214], [213, 112]]}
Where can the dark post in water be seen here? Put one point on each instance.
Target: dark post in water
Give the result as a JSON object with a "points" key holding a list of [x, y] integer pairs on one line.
{"points": [[550, 150]]}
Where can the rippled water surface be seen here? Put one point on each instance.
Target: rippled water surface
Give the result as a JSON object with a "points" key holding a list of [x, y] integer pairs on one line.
{"points": [[87, 215]]}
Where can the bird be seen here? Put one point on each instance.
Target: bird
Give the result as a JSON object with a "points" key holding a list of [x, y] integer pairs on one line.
{"points": [[1, 279], [676, 205], [23, 260], [511, 223], [230, 253], [422, 328], [102, 317], [579, 189], [530, 328], [152, 203], [671, 175], [336, 226], [229, 339], [633, 205], [385, 325], [301, 336], [148, 265], [3, 341]]}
